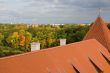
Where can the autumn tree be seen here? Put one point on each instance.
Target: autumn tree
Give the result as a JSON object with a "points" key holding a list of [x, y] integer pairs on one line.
{"points": [[25, 39], [28, 37]]}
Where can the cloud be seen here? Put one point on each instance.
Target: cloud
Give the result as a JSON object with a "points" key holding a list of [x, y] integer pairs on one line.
{"points": [[53, 11]]}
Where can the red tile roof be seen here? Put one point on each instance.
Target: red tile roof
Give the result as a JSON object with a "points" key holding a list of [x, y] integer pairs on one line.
{"points": [[82, 57], [100, 32]]}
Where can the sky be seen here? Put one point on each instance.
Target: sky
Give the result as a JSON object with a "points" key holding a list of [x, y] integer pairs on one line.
{"points": [[53, 11]]}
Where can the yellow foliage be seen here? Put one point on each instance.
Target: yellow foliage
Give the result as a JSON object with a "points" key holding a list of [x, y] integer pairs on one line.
{"points": [[22, 40]]}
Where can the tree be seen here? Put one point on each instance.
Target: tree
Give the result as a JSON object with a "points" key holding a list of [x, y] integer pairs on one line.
{"points": [[1, 39], [13, 40], [25, 39], [21, 34], [28, 37]]}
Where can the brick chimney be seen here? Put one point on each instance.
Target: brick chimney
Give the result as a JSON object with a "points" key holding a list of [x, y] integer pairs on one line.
{"points": [[62, 42]]}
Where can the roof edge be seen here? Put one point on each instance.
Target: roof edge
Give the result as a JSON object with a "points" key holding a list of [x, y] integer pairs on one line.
{"points": [[12, 56]]}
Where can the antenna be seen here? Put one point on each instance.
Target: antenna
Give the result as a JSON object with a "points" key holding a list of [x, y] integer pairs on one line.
{"points": [[99, 12]]}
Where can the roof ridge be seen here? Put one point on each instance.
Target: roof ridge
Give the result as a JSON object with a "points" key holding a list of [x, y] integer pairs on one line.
{"points": [[46, 49], [104, 35]]}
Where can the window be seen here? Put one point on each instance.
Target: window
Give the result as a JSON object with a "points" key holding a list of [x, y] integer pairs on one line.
{"points": [[108, 61], [96, 67], [75, 69]]}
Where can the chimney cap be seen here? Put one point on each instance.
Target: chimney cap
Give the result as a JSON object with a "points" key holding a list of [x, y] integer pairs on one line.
{"points": [[62, 39], [35, 43]]}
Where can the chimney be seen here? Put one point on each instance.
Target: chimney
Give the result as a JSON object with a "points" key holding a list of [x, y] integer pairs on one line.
{"points": [[62, 42], [35, 46]]}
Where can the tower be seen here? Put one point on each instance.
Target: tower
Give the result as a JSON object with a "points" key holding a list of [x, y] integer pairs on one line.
{"points": [[100, 32]]}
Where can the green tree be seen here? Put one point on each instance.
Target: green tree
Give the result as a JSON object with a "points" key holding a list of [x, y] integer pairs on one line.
{"points": [[13, 40], [1, 39]]}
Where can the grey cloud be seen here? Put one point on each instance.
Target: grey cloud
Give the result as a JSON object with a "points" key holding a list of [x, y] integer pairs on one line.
{"points": [[54, 11], [63, 10], [79, 3]]}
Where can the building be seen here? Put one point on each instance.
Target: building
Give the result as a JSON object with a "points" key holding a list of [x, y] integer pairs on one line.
{"points": [[88, 56], [82, 24], [100, 32], [82, 57]]}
